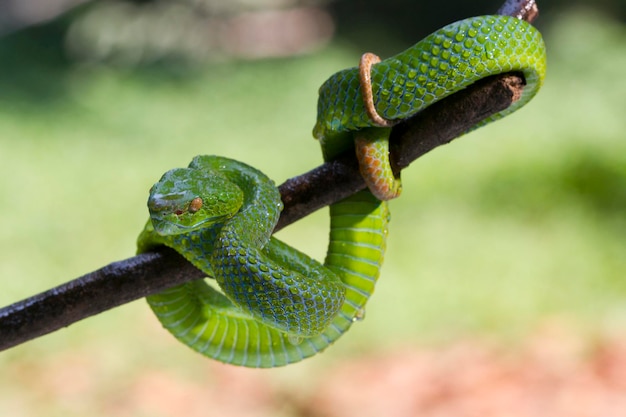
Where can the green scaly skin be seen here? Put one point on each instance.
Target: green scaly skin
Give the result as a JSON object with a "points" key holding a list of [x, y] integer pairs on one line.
{"points": [[259, 325], [278, 305], [441, 64]]}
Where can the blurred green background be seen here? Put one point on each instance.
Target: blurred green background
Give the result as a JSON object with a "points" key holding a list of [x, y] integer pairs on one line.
{"points": [[515, 225]]}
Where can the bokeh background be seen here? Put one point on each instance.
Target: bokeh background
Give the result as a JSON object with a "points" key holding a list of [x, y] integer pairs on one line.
{"points": [[503, 291]]}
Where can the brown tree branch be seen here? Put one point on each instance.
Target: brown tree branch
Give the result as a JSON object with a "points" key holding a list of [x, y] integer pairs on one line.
{"points": [[149, 273]]}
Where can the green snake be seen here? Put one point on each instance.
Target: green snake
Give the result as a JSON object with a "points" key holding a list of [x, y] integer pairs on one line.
{"points": [[276, 305], [358, 106]]}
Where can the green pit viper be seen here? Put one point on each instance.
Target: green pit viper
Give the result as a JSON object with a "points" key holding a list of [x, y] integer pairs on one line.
{"points": [[278, 306]]}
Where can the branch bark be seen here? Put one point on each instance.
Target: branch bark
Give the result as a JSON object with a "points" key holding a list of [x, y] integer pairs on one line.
{"points": [[149, 273]]}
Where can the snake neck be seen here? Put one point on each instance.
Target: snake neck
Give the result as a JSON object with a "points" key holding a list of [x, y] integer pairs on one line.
{"points": [[255, 221]]}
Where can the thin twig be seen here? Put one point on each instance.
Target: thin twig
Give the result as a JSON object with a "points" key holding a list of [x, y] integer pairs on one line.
{"points": [[149, 273]]}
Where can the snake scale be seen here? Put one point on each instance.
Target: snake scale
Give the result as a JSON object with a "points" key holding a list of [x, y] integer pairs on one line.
{"points": [[276, 305]]}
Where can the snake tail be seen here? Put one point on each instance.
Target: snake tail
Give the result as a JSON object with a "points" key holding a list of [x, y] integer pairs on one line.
{"points": [[446, 61]]}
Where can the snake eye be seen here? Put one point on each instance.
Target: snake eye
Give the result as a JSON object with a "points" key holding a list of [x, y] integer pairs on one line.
{"points": [[195, 205]]}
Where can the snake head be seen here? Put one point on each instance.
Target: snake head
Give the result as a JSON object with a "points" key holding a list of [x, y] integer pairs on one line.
{"points": [[188, 199]]}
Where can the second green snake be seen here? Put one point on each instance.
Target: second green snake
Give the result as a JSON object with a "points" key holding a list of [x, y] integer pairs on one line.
{"points": [[277, 306]]}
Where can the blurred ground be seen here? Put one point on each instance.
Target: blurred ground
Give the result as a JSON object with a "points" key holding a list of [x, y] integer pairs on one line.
{"points": [[502, 292], [554, 373]]}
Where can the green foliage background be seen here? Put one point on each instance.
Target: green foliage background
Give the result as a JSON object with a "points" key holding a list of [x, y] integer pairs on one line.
{"points": [[515, 224]]}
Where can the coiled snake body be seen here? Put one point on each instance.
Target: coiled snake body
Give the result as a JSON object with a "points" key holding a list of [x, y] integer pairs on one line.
{"points": [[357, 106], [277, 305], [280, 306]]}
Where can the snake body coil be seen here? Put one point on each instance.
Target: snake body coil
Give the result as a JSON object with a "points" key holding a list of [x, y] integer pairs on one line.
{"points": [[441, 64], [278, 306]]}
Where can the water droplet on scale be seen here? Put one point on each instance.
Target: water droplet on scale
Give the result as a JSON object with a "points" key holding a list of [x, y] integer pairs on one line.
{"points": [[359, 315], [294, 340]]}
